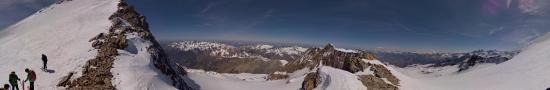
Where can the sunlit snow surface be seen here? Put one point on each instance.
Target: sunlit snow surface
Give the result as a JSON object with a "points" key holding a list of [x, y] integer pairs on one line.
{"points": [[134, 70], [526, 71], [61, 31]]}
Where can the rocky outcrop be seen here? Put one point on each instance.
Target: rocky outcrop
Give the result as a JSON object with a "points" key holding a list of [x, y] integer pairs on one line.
{"points": [[382, 72], [311, 81], [349, 61], [472, 60], [276, 76], [96, 74], [376, 83], [329, 56]]}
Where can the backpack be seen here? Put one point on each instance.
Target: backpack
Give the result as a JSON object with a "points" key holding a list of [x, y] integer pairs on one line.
{"points": [[33, 75]]}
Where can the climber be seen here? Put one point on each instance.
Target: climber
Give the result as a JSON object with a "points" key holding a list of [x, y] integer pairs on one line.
{"points": [[31, 76], [6, 87], [45, 62], [13, 81]]}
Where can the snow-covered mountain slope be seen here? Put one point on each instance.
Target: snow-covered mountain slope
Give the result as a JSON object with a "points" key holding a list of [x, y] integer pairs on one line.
{"points": [[404, 59], [61, 32], [526, 71], [75, 32]]}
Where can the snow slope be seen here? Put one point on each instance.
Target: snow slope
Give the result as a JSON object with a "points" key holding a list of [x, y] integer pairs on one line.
{"points": [[338, 79], [244, 81], [133, 69], [526, 71], [62, 32]]}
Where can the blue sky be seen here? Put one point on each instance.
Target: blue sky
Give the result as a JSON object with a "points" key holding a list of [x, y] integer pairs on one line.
{"points": [[422, 25]]}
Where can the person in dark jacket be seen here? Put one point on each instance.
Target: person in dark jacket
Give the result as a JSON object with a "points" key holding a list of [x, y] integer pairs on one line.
{"points": [[45, 61], [13, 81], [31, 77]]}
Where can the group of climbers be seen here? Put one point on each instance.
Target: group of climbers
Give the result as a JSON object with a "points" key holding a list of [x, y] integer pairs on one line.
{"points": [[31, 77]]}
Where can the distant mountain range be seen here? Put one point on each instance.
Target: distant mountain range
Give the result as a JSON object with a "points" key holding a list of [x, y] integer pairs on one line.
{"points": [[282, 61], [403, 59]]}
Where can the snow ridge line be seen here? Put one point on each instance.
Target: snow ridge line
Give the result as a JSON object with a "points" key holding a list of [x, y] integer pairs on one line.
{"points": [[127, 20], [96, 74]]}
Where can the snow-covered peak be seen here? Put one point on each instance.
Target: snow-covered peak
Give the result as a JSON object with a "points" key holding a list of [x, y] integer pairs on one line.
{"points": [[262, 46], [346, 50], [200, 45], [338, 79], [294, 50]]}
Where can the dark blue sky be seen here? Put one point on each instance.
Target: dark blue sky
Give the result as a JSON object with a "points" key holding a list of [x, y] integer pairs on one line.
{"points": [[404, 24]]}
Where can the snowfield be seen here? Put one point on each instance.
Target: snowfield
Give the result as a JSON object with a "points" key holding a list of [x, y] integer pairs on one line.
{"points": [[526, 71], [61, 31], [244, 81]]}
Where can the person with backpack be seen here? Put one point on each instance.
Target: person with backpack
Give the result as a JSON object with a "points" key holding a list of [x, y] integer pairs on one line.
{"points": [[31, 77], [45, 61], [13, 81]]}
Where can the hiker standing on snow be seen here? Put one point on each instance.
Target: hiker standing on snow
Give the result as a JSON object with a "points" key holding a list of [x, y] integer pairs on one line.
{"points": [[31, 76], [13, 81], [45, 61]]}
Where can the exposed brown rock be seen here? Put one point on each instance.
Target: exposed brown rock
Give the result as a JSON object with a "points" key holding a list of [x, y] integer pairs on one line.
{"points": [[66, 80], [371, 56], [311, 81], [375, 83], [382, 72], [274, 76], [351, 62], [328, 56]]}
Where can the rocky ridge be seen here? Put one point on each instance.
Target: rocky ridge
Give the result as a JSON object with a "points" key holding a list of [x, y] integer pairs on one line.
{"points": [[96, 74], [352, 62]]}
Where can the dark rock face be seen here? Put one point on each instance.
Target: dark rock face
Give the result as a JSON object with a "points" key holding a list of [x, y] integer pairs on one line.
{"points": [[97, 72], [472, 60]]}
